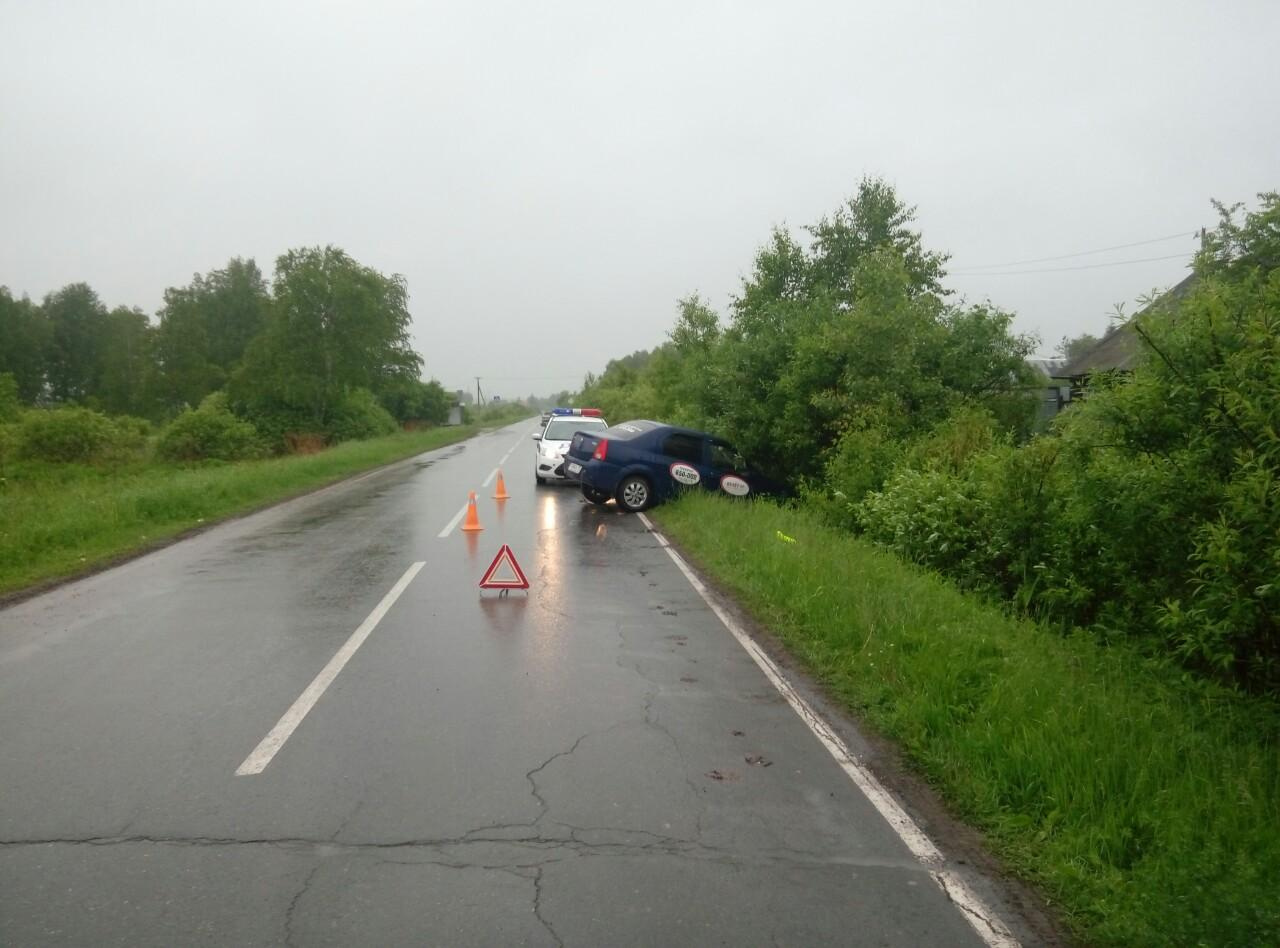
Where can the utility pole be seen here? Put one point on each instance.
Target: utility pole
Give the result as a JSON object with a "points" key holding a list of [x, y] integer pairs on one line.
{"points": [[479, 392]]}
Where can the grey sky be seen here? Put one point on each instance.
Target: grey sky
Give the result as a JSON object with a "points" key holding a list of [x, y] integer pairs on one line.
{"points": [[551, 177]]}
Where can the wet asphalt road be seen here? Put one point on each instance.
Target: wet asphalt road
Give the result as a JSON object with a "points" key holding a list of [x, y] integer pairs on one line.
{"points": [[563, 767]]}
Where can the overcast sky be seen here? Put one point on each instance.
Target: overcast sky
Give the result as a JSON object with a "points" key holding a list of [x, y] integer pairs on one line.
{"points": [[552, 177]]}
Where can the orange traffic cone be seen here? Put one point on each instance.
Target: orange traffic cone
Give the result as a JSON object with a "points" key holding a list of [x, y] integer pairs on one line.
{"points": [[500, 492], [472, 521]]}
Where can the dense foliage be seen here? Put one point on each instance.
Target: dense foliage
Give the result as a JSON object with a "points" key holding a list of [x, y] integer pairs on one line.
{"points": [[322, 355], [822, 342], [1150, 510], [210, 432]]}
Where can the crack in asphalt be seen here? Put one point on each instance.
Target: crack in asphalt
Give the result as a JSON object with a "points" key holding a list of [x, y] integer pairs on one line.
{"points": [[293, 903], [661, 845], [699, 803], [533, 784], [992, 929], [537, 908]]}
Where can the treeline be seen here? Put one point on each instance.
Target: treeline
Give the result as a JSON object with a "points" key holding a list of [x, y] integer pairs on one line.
{"points": [[234, 366], [1150, 511]]}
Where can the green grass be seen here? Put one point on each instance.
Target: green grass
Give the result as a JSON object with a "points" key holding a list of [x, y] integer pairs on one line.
{"points": [[58, 520], [1144, 803]]}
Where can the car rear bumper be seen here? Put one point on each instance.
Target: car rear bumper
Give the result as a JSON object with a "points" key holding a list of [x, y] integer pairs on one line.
{"points": [[598, 475]]}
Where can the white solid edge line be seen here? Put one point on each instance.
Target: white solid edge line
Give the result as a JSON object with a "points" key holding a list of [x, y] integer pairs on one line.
{"points": [[452, 523], [985, 922], [492, 475], [257, 761]]}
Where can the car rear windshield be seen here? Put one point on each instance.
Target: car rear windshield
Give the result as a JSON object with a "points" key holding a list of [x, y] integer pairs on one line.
{"points": [[562, 429], [630, 429]]}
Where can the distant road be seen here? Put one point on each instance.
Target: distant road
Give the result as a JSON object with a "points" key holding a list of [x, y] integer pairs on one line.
{"points": [[308, 727]]}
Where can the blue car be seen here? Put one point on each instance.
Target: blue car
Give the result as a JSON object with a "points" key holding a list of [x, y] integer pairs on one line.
{"points": [[641, 463]]}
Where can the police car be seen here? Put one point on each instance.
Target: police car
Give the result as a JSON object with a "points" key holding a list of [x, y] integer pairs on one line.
{"points": [[554, 440]]}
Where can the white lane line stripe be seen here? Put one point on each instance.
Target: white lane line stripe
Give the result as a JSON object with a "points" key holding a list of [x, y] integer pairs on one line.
{"points": [[985, 922], [257, 761], [492, 475], [453, 523]]}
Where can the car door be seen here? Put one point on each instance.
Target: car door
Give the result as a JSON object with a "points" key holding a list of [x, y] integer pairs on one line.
{"points": [[685, 457], [727, 469]]}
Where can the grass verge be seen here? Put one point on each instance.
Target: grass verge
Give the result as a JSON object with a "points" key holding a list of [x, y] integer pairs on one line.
{"points": [[60, 520], [1144, 803]]}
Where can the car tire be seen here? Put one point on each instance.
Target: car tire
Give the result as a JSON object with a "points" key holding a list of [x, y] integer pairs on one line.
{"points": [[594, 496], [540, 480], [635, 493]]}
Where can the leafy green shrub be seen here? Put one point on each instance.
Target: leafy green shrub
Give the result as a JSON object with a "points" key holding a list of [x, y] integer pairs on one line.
{"points": [[862, 459], [8, 444], [10, 404], [359, 416], [73, 435], [210, 432], [932, 517], [414, 400], [134, 427], [1150, 510]]}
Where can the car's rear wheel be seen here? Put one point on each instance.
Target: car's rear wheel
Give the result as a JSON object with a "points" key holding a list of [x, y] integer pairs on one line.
{"points": [[595, 496], [634, 493]]}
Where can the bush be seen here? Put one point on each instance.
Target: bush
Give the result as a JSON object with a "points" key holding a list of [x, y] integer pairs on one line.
{"points": [[8, 444], [74, 435], [862, 459], [10, 404], [1152, 509], [412, 400], [210, 432], [360, 416]]}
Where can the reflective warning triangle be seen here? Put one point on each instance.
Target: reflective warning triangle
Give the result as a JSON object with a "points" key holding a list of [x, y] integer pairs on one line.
{"points": [[514, 577]]}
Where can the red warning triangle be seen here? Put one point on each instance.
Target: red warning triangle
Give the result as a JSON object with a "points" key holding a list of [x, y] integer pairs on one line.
{"points": [[514, 578]]}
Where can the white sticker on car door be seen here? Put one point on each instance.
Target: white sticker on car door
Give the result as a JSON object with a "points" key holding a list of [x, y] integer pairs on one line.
{"points": [[685, 474]]}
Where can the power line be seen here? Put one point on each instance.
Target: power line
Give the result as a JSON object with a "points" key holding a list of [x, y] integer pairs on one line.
{"points": [[1087, 266], [1082, 253]]}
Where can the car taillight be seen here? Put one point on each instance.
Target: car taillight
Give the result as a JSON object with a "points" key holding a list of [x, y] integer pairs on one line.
{"points": [[602, 450]]}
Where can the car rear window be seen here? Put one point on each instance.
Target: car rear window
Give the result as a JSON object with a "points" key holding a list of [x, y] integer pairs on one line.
{"points": [[562, 429], [630, 429]]}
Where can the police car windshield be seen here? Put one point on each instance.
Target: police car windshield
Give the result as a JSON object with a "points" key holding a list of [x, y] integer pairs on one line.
{"points": [[562, 429]]}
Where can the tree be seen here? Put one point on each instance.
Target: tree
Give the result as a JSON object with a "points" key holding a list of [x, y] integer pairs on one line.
{"points": [[206, 327], [76, 319], [25, 339], [1072, 348], [125, 370], [413, 400], [334, 326], [874, 219]]}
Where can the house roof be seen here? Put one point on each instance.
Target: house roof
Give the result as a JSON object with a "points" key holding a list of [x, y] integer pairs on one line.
{"points": [[1045, 368], [1120, 349]]}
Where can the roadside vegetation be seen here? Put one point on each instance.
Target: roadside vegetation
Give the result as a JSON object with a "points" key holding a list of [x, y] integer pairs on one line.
{"points": [[117, 432], [59, 520], [1143, 802], [1092, 670]]}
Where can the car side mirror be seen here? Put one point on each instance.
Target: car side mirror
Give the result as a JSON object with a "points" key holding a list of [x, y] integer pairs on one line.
{"points": [[537, 436]]}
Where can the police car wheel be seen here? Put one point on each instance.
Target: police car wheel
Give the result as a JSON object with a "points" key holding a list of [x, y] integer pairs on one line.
{"points": [[634, 493], [539, 479]]}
